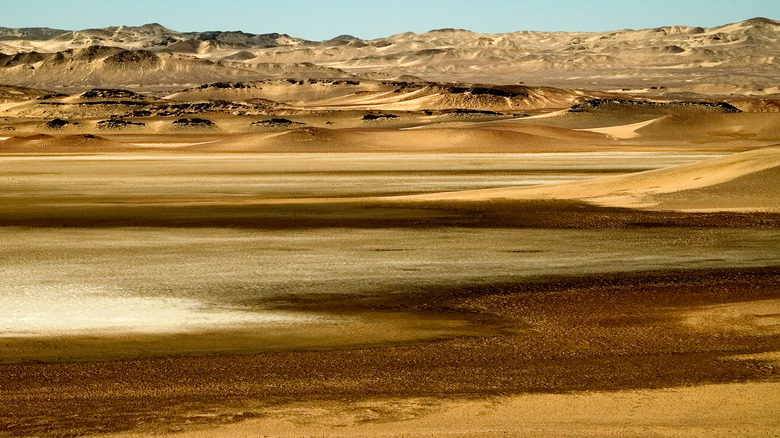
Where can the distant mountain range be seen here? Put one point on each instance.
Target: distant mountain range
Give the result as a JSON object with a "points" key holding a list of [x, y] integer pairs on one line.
{"points": [[149, 36], [741, 57]]}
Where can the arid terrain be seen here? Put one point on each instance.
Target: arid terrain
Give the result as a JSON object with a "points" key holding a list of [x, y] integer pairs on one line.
{"points": [[222, 234]]}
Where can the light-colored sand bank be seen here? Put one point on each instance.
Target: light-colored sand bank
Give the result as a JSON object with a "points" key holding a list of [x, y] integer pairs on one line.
{"points": [[622, 131], [744, 410], [160, 177], [744, 181]]}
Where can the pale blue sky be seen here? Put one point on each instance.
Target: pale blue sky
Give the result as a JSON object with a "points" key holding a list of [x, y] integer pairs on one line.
{"points": [[318, 20]]}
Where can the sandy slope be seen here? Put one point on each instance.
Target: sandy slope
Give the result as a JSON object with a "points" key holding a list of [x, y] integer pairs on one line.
{"points": [[622, 131], [699, 128], [446, 138], [746, 410], [368, 94], [67, 143], [746, 181]]}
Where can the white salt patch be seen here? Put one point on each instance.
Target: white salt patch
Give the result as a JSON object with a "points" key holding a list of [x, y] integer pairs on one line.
{"points": [[47, 310]]}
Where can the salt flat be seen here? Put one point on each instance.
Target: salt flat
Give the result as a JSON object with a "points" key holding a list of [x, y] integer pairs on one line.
{"points": [[162, 281]]}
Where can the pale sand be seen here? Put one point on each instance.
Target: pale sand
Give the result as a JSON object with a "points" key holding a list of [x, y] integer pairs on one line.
{"points": [[621, 131], [729, 410], [681, 187], [550, 114], [344, 131], [758, 317], [170, 144]]}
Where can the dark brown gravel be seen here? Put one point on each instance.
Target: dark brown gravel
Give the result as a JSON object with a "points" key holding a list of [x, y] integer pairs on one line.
{"points": [[313, 213]]}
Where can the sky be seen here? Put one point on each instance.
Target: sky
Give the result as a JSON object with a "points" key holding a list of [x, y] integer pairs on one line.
{"points": [[321, 19]]}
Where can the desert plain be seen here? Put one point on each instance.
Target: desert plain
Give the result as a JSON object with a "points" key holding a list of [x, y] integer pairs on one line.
{"points": [[223, 235]]}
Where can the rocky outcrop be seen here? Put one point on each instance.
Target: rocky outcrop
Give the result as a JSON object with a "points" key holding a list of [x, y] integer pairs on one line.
{"points": [[255, 107], [118, 124], [194, 123], [276, 123], [375, 117], [59, 124], [133, 59], [107, 93], [594, 105]]}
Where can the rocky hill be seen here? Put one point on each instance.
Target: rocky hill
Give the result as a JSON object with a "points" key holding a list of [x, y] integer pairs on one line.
{"points": [[735, 58], [149, 36]]}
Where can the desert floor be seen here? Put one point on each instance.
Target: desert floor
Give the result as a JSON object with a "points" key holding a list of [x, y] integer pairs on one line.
{"points": [[266, 285]]}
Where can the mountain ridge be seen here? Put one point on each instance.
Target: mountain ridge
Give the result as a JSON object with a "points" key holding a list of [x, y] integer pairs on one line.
{"points": [[737, 57], [7, 32]]}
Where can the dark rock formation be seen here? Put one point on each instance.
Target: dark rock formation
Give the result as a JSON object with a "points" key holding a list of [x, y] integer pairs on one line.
{"points": [[223, 85], [500, 91], [276, 123], [194, 123], [21, 59], [371, 117], [252, 107], [59, 124], [107, 93], [603, 104], [117, 124], [52, 96], [475, 112], [92, 53], [133, 58]]}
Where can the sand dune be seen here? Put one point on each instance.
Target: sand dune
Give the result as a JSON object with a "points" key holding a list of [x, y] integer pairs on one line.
{"points": [[694, 127], [400, 96], [67, 143], [669, 128], [744, 181], [480, 138], [723, 128]]}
